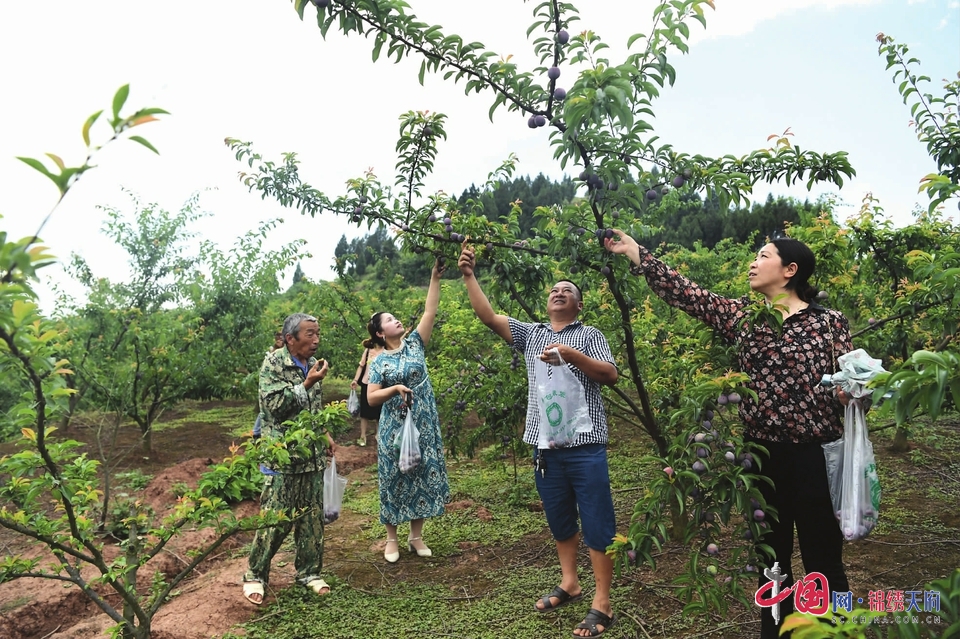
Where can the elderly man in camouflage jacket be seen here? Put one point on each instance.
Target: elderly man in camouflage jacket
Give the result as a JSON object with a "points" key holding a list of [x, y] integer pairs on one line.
{"points": [[290, 382]]}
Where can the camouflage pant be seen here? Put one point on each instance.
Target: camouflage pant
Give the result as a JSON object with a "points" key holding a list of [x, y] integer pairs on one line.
{"points": [[291, 491]]}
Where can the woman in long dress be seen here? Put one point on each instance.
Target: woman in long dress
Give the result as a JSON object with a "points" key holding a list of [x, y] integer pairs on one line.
{"points": [[399, 382]]}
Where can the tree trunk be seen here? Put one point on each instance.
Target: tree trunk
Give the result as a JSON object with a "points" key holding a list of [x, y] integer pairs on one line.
{"points": [[72, 403], [147, 439], [900, 443]]}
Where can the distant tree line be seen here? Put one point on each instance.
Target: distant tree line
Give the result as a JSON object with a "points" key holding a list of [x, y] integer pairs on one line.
{"points": [[691, 221]]}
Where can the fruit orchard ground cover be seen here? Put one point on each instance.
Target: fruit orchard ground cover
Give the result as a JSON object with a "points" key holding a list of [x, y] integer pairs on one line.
{"points": [[494, 554]]}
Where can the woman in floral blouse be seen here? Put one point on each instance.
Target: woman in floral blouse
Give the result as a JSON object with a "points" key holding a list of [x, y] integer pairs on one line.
{"points": [[793, 414]]}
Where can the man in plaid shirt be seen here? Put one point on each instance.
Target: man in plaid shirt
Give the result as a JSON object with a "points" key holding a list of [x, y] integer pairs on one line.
{"points": [[572, 480]]}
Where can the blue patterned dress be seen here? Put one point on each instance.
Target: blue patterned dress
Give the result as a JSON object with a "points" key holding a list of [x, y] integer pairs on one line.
{"points": [[424, 491]]}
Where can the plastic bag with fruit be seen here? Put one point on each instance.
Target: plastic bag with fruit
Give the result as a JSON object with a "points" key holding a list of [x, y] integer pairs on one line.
{"points": [[407, 444], [560, 399], [333, 488], [851, 464], [353, 403]]}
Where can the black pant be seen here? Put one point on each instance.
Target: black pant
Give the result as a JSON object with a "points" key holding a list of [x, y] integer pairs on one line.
{"points": [[801, 496]]}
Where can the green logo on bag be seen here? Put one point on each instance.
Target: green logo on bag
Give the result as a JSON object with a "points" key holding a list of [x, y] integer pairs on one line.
{"points": [[554, 414], [870, 474]]}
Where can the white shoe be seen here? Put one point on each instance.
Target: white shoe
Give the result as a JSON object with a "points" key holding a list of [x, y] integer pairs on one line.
{"points": [[421, 552], [392, 557]]}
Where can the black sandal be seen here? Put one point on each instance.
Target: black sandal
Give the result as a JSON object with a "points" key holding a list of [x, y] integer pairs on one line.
{"points": [[593, 618], [562, 597]]}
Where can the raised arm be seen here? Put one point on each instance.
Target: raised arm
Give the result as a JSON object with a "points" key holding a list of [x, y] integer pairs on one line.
{"points": [[678, 291], [425, 327], [481, 305]]}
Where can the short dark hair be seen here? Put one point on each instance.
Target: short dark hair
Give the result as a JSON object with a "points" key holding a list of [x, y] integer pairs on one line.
{"points": [[575, 287]]}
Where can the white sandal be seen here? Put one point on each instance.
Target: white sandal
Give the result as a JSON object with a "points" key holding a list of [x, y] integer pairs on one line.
{"points": [[316, 585], [251, 588]]}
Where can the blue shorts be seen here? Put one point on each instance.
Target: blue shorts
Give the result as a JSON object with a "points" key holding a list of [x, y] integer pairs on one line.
{"points": [[576, 481]]}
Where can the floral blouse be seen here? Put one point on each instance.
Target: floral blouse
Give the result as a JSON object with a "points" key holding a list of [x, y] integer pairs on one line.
{"points": [[784, 369]]}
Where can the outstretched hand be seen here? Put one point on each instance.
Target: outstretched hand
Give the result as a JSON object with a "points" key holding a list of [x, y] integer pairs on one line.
{"points": [[468, 260], [439, 266], [620, 243]]}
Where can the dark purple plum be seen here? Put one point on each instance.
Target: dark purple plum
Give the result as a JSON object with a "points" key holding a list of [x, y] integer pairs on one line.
{"points": [[652, 194], [734, 398], [322, 4], [532, 122], [427, 131], [562, 36], [553, 73], [559, 94], [679, 181], [605, 270], [540, 120]]}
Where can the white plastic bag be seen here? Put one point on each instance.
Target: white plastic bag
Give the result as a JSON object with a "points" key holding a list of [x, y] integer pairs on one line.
{"points": [[859, 486], [333, 488], [407, 444], [562, 405], [851, 465], [353, 403]]}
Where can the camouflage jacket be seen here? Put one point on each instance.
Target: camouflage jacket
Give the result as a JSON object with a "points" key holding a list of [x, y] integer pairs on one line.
{"points": [[282, 398]]}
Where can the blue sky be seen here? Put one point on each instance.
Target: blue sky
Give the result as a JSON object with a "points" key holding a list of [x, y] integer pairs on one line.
{"points": [[250, 69]]}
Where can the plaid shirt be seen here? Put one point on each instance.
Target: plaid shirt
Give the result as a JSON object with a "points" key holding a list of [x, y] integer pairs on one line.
{"points": [[784, 369], [531, 340]]}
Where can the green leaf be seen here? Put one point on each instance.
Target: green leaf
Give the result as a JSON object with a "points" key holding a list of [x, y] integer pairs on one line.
{"points": [[137, 138], [88, 124], [38, 166], [300, 5], [119, 99]]}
